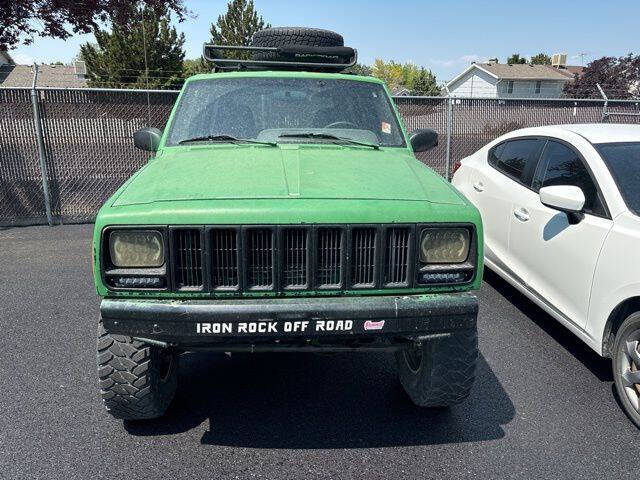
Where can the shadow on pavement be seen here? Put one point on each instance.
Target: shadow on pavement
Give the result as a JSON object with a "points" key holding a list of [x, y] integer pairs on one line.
{"points": [[600, 367], [307, 401]]}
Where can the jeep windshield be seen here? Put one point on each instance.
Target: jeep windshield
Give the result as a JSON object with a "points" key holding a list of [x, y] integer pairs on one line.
{"points": [[286, 110]]}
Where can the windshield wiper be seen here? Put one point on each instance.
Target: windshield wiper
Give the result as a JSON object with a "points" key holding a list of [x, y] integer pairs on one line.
{"points": [[225, 138], [328, 136]]}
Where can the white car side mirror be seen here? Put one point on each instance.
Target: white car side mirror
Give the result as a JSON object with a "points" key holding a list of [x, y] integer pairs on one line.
{"points": [[566, 198]]}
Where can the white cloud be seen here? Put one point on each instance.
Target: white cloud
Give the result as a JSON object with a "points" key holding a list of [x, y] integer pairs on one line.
{"points": [[443, 63], [470, 58], [464, 59], [22, 59]]}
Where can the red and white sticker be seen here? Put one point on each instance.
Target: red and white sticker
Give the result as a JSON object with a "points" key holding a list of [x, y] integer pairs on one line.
{"points": [[385, 127], [371, 325]]}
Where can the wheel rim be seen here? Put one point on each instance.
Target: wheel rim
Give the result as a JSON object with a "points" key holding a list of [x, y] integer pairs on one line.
{"points": [[628, 367], [165, 364], [413, 357]]}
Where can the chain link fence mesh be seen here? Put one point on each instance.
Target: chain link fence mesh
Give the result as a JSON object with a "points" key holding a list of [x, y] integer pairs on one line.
{"points": [[89, 146], [21, 198], [90, 153]]}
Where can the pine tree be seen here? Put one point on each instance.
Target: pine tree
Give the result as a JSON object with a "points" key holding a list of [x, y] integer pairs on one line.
{"points": [[425, 84], [237, 26], [117, 59]]}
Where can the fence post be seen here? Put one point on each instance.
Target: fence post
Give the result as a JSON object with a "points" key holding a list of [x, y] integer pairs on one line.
{"points": [[41, 151], [449, 123], [606, 103]]}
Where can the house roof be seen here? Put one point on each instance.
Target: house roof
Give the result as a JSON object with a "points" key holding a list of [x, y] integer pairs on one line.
{"points": [[522, 71], [57, 76], [570, 70]]}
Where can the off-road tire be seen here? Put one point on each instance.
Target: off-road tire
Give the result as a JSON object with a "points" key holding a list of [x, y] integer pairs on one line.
{"points": [[281, 36], [135, 381], [446, 371], [628, 334]]}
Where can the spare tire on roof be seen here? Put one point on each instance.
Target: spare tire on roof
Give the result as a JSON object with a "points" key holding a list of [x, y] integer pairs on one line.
{"points": [[287, 36]]}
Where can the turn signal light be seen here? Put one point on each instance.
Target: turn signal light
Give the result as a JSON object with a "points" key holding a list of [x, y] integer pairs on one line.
{"points": [[136, 282]]}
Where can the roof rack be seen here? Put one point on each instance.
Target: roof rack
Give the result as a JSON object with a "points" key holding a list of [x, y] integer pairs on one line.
{"points": [[297, 57]]}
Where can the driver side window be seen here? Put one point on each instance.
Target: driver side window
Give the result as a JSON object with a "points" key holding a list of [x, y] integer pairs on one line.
{"points": [[561, 165]]}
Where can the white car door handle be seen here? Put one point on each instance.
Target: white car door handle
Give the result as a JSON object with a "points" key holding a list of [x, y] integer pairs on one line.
{"points": [[521, 214], [478, 186]]}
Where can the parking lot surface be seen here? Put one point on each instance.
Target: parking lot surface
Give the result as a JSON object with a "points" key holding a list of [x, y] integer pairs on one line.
{"points": [[543, 405]]}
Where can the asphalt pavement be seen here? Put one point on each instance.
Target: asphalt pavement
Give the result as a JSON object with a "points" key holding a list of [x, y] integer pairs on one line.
{"points": [[543, 405]]}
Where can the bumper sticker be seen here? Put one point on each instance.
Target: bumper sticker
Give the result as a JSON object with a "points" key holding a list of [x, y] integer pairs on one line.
{"points": [[370, 325]]}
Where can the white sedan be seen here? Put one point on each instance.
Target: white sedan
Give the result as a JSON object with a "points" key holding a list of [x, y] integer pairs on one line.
{"points": [[561, 212]]}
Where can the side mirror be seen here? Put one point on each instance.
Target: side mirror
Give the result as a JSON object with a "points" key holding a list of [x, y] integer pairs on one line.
{"points": [[423, 139], [565, 198], [147, 138]]}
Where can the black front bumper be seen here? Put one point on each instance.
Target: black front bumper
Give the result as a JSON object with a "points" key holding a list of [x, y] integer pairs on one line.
{"points": [[296, 323]]}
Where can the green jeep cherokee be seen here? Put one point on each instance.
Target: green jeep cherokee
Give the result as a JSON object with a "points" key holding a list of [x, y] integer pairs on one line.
{"points": [[284, 210]]}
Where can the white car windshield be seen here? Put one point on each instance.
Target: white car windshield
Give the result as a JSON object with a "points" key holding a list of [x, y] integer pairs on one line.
{"points": [[284, 110], [623, 160]]}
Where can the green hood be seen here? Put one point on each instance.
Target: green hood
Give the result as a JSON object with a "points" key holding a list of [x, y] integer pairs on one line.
{"points": [[206, 172]]}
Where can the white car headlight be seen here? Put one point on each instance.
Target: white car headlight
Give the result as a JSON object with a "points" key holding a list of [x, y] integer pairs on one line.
{"points": [[444, 245], [136, 248]]}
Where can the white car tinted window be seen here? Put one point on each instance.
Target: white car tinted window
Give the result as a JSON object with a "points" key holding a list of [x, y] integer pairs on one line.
{"points": [[516, 158], [561, 165], [623, 160]]}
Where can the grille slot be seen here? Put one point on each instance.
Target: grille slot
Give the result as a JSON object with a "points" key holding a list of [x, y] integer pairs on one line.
{"points": [[295, 257], [363, 256], [188, 259], [259, 258], [329, 264], [224, 259], [396, 268]]}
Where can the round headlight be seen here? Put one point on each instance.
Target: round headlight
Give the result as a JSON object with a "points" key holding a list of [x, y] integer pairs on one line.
{"points": [[444, 245], [136, 248]]}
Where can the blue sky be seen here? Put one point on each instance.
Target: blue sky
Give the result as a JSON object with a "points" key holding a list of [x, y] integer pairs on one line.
{"points": [[443, 36]]}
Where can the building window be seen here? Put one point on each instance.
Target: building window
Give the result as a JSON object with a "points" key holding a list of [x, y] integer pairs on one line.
{"points": [[538, 85], [510, 86]]}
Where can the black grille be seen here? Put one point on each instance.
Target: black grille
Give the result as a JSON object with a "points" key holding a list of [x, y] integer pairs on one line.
{"points": [[224, 259], [329, 254], [295, 257], [278, 258], [187, 247], [363, 256], [259, 258], [396, 266]]}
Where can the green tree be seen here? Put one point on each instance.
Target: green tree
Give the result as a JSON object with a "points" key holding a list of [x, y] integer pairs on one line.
{"points": [[117, 59], [390, 72], [418, 80], [541, 59], [237, 26], [516, 59], [425, 84], [194, 66], [359, 69]]}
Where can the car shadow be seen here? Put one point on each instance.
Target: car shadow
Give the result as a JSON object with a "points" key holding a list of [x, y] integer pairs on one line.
{"points": [[599, 366], [312, 401]]}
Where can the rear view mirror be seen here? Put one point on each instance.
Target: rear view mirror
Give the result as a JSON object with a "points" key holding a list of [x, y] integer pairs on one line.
{"points": [[147, 138], [423, 139], [565, 198]]}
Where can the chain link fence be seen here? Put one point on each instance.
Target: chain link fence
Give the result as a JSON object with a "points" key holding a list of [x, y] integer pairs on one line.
{"points": [[88, 147]]}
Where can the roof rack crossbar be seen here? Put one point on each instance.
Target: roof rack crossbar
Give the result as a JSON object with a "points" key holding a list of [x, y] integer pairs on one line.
{"points": [[347, 54]]}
